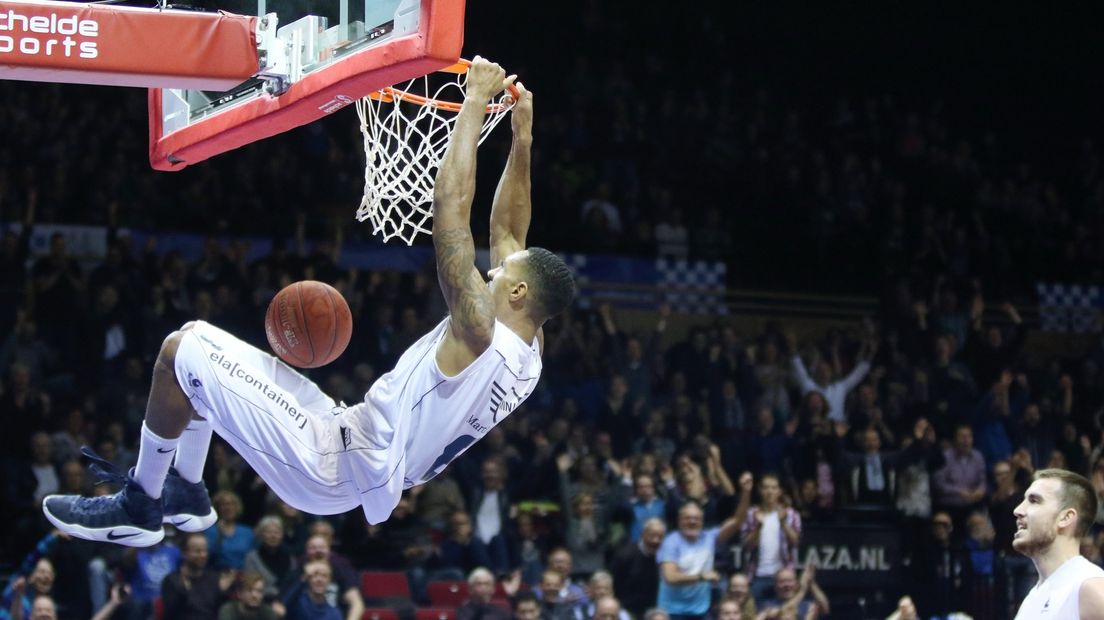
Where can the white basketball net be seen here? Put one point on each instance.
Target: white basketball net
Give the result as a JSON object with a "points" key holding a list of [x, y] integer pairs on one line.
{"points": [[403, 146]]}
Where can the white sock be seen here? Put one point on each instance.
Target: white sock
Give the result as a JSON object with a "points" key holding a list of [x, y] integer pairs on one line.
{"points": [[192, 453], [155, 455]]}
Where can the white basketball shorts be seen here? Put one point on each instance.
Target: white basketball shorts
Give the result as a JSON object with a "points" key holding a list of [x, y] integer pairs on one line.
{"points": [[279, 421]]}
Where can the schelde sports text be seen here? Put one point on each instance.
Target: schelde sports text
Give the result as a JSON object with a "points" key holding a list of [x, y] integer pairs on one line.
{"points": [[23, 34]]}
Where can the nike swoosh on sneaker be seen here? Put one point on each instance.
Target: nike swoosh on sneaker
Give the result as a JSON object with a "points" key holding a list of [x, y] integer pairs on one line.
{"points": [[181, 522], [113, 536], [166, 451]]}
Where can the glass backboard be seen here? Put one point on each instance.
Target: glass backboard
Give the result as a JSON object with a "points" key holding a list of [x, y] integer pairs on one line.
{"points": [[316, 57], [318, 33]]}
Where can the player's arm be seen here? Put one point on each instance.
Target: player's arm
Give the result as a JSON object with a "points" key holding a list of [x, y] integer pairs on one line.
{"points": [[512, 208], [471, 309], [1092, 599]]}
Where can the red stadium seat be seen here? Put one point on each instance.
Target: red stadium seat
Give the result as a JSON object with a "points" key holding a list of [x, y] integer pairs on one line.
{"points": [[435, 613], [384, 584], [379, 613], [447, 593]]}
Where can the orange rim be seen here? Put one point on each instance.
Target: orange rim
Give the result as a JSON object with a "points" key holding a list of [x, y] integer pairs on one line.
{"points": [[390, 93]]}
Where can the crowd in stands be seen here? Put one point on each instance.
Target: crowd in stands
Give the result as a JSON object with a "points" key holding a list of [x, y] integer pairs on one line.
{"points": [[620, 489], [894, 187], [621, 486]]}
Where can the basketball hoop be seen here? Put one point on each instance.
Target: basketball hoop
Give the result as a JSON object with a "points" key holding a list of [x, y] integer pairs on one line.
{"points": [[406, 131]]}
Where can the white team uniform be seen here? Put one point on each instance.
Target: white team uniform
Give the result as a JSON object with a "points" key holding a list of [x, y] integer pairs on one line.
{"points": [[1057, 597], [323, 458]]}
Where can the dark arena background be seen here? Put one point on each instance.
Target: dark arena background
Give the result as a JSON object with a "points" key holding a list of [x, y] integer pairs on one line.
{"points": [[839, 273]]}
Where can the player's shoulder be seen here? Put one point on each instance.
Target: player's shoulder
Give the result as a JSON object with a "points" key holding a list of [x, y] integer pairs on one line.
{"points": [[1091, 598], [513, 345]]}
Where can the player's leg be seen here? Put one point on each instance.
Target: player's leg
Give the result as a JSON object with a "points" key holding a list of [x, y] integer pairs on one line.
{"points": [[174, 444], [134, 515], [278, 420], [187, 504], [185, 372]]}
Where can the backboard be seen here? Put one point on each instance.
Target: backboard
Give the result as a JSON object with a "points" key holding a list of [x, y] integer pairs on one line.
{"points": [[316, 58]]}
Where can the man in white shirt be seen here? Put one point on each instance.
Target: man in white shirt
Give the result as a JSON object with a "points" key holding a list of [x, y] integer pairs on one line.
{"points": [[490, 506], [1057, 510], [835, 392]]}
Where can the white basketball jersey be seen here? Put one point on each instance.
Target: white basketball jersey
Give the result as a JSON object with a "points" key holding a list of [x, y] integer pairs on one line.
{"points": [[414, 420], [1057, 597]]}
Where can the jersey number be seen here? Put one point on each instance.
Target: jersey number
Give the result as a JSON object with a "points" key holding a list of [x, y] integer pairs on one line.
{"points": [[450, 452]]}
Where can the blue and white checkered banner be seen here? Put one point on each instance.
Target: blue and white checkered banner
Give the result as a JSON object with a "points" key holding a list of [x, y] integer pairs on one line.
{"points": [[693, 287], [1070, 307], [690, 287]]}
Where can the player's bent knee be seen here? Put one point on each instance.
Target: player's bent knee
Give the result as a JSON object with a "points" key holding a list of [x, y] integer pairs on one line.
{"points": [[169, 347]]}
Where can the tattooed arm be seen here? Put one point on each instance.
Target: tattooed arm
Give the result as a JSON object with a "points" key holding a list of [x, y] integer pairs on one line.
{"points": [[471, 308]]}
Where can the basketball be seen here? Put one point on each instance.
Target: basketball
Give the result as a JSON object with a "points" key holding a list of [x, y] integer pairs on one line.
{"points": [[308, 324]]}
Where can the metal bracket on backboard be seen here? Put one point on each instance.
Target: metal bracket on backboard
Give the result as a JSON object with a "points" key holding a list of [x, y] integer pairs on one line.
{"points": [[274, 54], [288, 52]]}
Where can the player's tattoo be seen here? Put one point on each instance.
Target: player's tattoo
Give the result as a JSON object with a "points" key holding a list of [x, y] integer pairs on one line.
{"points": [[469, 301]]}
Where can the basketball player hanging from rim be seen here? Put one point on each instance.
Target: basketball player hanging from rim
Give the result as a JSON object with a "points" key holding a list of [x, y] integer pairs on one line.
{"points": [[446, 391]]}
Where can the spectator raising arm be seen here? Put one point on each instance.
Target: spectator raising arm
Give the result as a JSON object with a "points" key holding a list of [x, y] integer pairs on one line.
{"points": [[808, 582], [858, 373], [716, 473], [354, 604], [802, 375], [16, 590], [119, 593]]}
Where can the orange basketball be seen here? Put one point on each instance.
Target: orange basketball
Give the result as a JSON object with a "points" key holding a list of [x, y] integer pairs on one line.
{"points": [[308, 324]]}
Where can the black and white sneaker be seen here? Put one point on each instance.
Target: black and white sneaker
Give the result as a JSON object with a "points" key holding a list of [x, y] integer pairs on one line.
{"points": [[187, 506], [129, 517]]}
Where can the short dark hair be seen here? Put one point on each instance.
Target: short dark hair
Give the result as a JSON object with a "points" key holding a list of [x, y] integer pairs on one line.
{"points": [[1077, 493], [249, 578], [189, 536], [554, 283], [525, 596], [770, 474], [690, 502]]}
